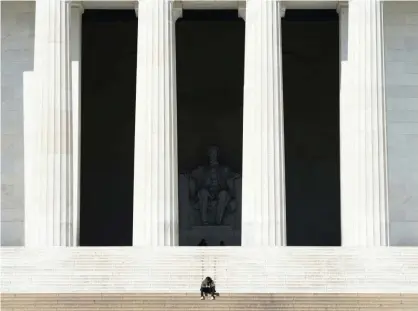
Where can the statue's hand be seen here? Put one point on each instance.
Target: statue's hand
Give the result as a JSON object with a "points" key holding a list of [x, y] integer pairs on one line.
{"points": [[236, 176]]}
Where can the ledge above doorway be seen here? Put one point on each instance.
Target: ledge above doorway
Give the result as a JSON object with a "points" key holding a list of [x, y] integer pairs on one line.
{"points": [[210, 4]]}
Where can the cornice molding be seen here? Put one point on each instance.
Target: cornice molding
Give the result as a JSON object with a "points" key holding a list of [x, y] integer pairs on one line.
{"points": [[282, 11], [342, 5], [77, 5], [242, 9]]}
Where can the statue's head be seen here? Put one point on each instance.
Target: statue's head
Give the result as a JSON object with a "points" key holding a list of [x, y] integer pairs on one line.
{"points": [[213, 153]]}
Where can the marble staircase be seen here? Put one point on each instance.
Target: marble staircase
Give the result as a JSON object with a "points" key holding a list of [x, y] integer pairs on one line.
{"points": [[287, 278], [182, 302]]}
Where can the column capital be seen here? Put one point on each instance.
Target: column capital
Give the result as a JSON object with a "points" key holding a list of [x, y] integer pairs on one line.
{"points": [[282, 11], [242, 9], [341, 6], [177, 11], [77, 5]]}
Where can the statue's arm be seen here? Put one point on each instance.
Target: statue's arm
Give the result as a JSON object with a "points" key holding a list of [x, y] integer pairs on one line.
{"points": [[194, 178], [193, 191], [230, 180], [231, 186], [192, 187]]}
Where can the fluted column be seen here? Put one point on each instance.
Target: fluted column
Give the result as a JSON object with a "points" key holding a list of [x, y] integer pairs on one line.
{"points": [[54, 195], [263, 189], [347, 117], [155, 215], [366, 170]]}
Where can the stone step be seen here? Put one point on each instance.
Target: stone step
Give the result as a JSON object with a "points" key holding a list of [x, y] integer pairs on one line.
{"points": [[89, 301], [234, 269]]}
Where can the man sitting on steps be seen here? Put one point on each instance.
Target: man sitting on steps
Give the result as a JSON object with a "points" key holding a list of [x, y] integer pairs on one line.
{"points": [[207, 287]]}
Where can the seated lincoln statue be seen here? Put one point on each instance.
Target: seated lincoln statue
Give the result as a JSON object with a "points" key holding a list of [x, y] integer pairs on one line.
{"points": [[212, 190]]}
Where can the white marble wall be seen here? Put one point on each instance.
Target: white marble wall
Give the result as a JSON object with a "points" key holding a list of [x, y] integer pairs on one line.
{"points": [[401, 29], [17, 44], [401, 40]]}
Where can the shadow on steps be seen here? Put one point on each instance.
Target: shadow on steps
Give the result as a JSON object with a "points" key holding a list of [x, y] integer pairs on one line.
{"points": [[231, 302]]}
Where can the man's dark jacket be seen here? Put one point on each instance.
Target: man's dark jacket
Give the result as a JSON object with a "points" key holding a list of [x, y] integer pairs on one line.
{"points": [[207, 282]]}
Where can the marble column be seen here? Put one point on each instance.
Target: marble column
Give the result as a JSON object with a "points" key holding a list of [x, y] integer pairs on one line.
{"points": [[263, 188], [54, 200], [75, 43], [155, 215], [364, 167], [346, 126], [30, 128]]}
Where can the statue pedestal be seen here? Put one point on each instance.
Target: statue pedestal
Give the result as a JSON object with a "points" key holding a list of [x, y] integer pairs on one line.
{"points": [[212, 234], [191, 232]]}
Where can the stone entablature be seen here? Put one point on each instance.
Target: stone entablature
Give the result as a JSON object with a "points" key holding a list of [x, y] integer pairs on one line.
{"points": [[214, 4]]}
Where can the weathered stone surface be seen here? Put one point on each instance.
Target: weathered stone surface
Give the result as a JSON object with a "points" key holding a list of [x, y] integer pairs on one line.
{"points": [[226, 301]]}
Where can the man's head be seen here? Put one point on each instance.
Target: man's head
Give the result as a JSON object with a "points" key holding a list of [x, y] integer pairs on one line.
{"points": [[213, 153]]}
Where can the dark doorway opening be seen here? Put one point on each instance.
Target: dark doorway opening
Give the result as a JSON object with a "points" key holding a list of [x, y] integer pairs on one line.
{"points": [[107, 127], [210, 80], [311, 123]]}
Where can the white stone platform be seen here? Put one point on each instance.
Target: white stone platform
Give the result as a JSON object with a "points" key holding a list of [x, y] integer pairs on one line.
{"points": [[212, 235]]}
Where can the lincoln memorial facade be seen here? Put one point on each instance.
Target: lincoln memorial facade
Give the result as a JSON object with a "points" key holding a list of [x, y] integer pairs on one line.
{"points": [[255, 123], [283, 135]]}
